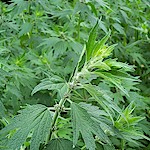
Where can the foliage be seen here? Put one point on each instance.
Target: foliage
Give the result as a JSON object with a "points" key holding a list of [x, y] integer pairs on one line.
{"points": [[36, 118], [62, 86]]}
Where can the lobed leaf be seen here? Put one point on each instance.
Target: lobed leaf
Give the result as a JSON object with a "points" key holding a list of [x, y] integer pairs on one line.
{"points": [[86, 125], [35, 119], [52, 83]]}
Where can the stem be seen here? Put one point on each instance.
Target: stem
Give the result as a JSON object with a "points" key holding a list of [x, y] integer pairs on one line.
{"points": [[57, 112], [122, 144], [83, 147], [62, 101], [64, 109]]}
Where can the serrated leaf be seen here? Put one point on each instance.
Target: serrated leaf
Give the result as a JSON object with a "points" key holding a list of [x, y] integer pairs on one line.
{"points": [[132, 135], [112, 79], [114, 63], [108, 147], [100, 65], [77, 47], [64, 128], [103, 99], [60, 48], [125, 16], [105, 51], [60, 144], [100, 116], [35, 119], [52, 83], [86, 125]]}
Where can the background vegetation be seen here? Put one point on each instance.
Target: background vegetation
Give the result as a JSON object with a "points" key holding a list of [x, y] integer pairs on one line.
{"points": [[41, 42]]}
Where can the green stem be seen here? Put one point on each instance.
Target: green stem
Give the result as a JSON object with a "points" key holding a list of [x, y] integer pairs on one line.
{"points": [[62, 101], [57, 112], [122, 144], [83, 147]]}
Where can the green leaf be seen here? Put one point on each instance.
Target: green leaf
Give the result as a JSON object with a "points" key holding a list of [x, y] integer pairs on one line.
{"points": [[2, 110], [101, 117], [103, 99], [112, 79], [100, 65], [60, 48], [108, 147], [91, 42], [52, 83], [101, 43], [133, 135], [119, 28], [35, 119], [102, 3], [49, 42], [20, 5], [125, 16], [105, 51], [93, 8], [128, 128], [64, 128], [86, 125], [60, 144], [102, 25], [114, 63], [25, 28]]}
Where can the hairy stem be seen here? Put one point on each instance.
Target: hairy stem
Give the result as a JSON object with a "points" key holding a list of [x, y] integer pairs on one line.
{"points": [[57, 112], [72, 84]]}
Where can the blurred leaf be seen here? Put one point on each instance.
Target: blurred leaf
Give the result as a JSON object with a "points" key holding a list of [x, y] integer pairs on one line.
{"points": [[119, 28], [25, 28], [60, 48], [2, 110]]}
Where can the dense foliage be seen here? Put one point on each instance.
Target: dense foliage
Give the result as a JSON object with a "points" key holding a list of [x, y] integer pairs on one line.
{"points": [[74, 74]]}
